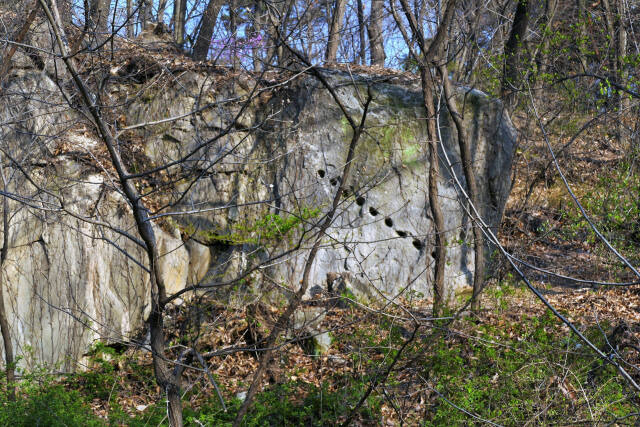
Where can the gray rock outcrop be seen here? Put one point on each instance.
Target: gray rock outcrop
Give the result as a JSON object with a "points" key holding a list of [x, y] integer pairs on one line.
{"points": [[260, 191]]}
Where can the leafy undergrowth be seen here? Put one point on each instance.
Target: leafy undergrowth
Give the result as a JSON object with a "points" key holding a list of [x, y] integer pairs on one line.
{"points": [[512, 364], [520, 365]]}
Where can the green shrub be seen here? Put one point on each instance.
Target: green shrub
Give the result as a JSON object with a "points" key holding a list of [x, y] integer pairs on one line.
{"points": [[47, 405], [509, 375], [280, 405]]}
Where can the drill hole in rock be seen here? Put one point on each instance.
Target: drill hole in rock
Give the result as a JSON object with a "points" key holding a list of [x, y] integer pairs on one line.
{"points": [[321, 173], [373, 211], [360, 200], [388, 222], [401, 233], [417, 244]]}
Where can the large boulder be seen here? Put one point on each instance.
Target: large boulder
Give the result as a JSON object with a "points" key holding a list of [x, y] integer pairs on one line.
{"points": [[290, 154], [260, 192]]}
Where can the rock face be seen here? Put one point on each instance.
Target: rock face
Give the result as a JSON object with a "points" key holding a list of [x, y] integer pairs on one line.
{"points": [[251, 196], [383, 237]]}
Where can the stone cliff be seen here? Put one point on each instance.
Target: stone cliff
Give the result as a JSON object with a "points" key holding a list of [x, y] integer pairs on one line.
{"points": [[247, 182]]}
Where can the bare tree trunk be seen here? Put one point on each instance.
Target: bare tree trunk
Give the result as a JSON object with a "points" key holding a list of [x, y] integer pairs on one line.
{"points": [[361, 31], [376, 41], [582, 15], [169, 382], [550, 14], [472, 186], [130, 20], [271, 30], [513, 53], [4, 321], [99, 18], [179, 13], [233, 30], [6, 335], [256, 48], [18, 38], [162, 8], [203, 41], [434, 202], [475, 49], [611, 32], [308, 29], [463, 57], [623, 99], [165, 378], [431, 55], [144, 13], [278, 21], [335, 29]]}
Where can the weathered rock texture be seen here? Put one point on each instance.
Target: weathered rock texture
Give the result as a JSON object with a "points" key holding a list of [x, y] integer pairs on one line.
{"points": [[384, 235], [68, 281]]}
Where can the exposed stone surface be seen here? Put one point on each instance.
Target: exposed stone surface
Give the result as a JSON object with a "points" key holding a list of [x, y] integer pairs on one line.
{"points": [[306, 323], [308, 317], [383, 235], [67, 281], [322, 342]]}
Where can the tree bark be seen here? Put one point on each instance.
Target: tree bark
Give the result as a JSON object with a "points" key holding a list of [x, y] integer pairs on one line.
{"points": [[278, 21], [513, 53], [233, 31], [144, 13], [162, 8], [179, 13], [431, 56], [4, 321], [257, 24], [6, 338], [472, 186], [337, 17], [130, 20], [439, 252], [376, 41], [361, 31], [18, 38], [203, 41], [467, 44], [99, 17], [471, 50], [582, 14], [608, 16], [623, 99], [166, 380]]}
